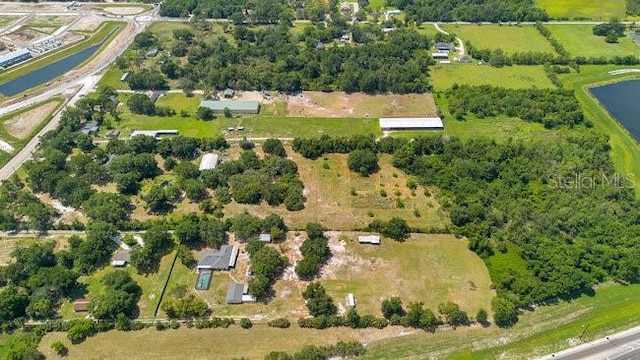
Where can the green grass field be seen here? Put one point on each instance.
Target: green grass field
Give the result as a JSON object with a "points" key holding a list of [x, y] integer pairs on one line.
{"points": [[164, 32], [516, 77], [613, 308], [112, 77], [580, 41], [254, 126], [584, 9], [329, 199], [625, 151], [511, 39]]}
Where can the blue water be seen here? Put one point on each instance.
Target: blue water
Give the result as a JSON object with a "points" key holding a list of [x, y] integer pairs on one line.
{"points": [[47, 73], [622, 101]]}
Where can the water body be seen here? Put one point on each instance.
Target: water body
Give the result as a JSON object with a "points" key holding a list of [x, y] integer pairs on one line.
{"points": [[47, 72], [622, 101]]}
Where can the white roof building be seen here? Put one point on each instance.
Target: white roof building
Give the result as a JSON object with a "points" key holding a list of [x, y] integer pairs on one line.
{"points": [[369, 239], [351, 301], [431, 123], [209, 161], [153, 133]]}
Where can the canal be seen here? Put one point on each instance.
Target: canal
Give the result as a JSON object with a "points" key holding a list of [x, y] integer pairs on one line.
{"points": [[622, 101]]}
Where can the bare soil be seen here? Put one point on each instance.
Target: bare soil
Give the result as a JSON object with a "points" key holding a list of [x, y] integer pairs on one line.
{"points": [[123, 10], [88, 23], [24, 124], [341, 104]]}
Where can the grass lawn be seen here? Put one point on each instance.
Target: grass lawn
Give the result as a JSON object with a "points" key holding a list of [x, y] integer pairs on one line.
{"points": [[510, 38], [625, 151], [112, 77], [585, 9], [580, 41], [545, 330], [98, 36], [163, 30], [254, 125], [329, 199], [151, 288], [516, 77]]}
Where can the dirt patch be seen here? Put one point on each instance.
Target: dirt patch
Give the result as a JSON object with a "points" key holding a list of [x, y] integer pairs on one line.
{"points": [[340, 104], [123, 10], [87, 23], [20, 126], [25, 35]]}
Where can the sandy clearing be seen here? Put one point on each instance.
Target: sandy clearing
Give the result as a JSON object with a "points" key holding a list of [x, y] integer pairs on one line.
{"points": [[88, 23], [123, 10], [20, 126]]}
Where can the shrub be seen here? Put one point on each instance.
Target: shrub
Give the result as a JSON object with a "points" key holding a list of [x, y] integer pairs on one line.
{"points": [[59, 348], [281, 323], [245, 323]]}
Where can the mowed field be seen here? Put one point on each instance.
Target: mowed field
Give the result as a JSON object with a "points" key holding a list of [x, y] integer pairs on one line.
{"points": [[329, 199], [514, 77], [510, 38], [583, 9], [580, 41]]}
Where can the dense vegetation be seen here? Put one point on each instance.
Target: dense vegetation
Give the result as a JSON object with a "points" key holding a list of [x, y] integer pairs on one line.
{"points": [[266, 265], [468, 10], [273, 58], [633, 7], [549, 107], [558, 211], [315, 252]]}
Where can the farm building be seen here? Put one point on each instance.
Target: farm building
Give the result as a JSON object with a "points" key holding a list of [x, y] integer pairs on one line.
{"points": [[90, 127], [121, 258], [265, 238], [465, 59], [14, 57], [440, 55], [369, 239], [81, 305], [238, 294], [423, 123], [153, 133], [236, 107], [444, 47], [209, 161], [222, 259]]}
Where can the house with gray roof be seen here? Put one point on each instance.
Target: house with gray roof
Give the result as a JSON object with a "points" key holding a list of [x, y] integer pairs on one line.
{"points": [[90, 127], [222, 259], [234, 293], [121, 258]]}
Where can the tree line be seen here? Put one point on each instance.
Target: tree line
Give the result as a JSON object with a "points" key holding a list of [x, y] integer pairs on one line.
{"points": [[468, 10]]}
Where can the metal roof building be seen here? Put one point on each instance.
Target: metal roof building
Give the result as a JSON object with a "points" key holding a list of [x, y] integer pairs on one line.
{"points": [[14, 57], [121, 258], [209, 161], [369, 239], [236, 107], [234, 293], [153, 133], [90, 127], [265, 238], [425, 123]]}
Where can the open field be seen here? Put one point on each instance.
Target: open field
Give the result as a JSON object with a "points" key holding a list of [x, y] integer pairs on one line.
{"points": [[583, 9], [230, 343], [112, 77], [123, 9], [105, 29], [330, 203], [510, 38], [163, 30], [151, 288], [28, 131], [625, 152], [340, 104], [48, 21], [254, 125], [538, 332], [580, 41], [516, 77], [20, 126]]}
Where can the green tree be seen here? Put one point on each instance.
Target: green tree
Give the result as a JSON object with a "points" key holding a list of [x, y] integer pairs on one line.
{"points": [[187, 170], [482, 316], [204, 113], [392, 306], [141, 104], [505, 312], [156, 199], [274, 147], [128, 183], [363, 161], [318, 301], [452, 313], [59, 348]]}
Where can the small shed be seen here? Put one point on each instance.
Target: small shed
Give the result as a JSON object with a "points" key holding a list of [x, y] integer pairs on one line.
{"points": [[113, 133], [228, 93], [125, 76], [121, 258], [369, 239], [152, 53], [209, 161], [265, 238], [90, 127], [234, 293], [440, 55], [81, 305], [351, 301]]}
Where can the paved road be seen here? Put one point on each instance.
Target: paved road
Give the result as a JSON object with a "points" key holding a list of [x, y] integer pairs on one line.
{"points": [[624, 345]]}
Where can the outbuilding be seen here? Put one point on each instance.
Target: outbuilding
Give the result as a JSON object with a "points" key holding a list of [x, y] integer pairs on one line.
{"points": [[236, 107], [265, 238], [81, 305], [418, 123], [209, 161], [234, 293], [121, 258], [369, 239]]}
